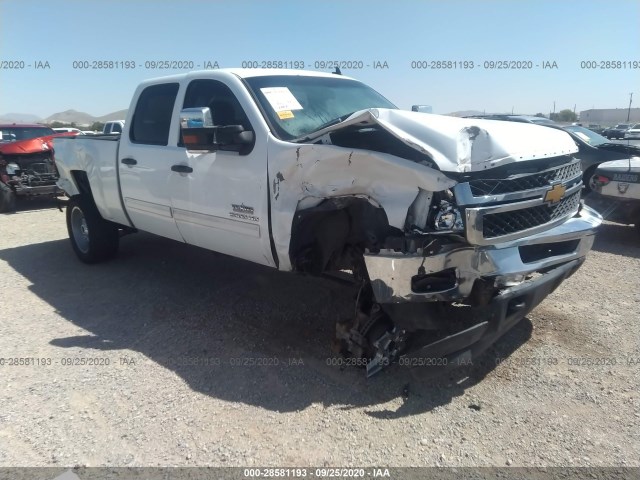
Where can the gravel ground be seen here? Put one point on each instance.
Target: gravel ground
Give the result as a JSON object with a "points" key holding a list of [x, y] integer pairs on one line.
{"points": [[166, 325]]}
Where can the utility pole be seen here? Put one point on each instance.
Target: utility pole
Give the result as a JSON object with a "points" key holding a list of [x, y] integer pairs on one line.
{"points": [[629, 109]]}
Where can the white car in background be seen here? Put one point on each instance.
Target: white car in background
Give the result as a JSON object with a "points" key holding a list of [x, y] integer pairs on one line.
{"points": [[633, 131], [77, 131]]}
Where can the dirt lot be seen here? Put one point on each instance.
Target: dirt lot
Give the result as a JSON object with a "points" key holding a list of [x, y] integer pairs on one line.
{"points": [[172, 355]]}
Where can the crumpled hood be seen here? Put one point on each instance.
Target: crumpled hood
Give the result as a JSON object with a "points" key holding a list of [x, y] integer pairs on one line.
{"points": [[464, 144], [31, 145]]}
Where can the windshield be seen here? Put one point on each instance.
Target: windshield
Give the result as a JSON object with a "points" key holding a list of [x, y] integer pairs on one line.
{"points": [[589, 136], [12, 134], [622, 125], [296, 106]]}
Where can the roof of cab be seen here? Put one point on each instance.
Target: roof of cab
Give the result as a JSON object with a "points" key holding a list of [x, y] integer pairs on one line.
{"points": [[243, 73]]}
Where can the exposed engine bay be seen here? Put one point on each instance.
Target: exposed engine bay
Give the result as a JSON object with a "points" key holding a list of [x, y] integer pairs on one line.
{"points": [[27, 174]]}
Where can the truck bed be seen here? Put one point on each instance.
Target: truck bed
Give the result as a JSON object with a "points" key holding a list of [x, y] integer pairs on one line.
{"points": [[97, 156]]}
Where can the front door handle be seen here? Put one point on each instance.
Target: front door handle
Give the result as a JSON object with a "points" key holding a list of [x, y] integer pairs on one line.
{"points": [[129, 161], [181, 168]]}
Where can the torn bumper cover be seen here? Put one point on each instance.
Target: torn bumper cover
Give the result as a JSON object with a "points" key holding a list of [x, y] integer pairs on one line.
{"points": [[523, 272], [504, 312]]}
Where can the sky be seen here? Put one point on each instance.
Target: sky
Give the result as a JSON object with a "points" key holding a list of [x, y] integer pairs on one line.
{"points": [[364, 32]]}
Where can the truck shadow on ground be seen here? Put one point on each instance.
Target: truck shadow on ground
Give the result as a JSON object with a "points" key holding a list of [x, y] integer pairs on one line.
{"points": [[34, 204], [231, 329], [618, 239]]}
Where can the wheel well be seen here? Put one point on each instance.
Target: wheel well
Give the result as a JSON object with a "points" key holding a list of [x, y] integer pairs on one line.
{"points": [[82, 182], [334, 234]]}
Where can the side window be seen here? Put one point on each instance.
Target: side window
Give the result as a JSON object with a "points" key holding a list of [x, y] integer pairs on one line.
{"points": [[225, 107], [116, 128], [152, 117]]}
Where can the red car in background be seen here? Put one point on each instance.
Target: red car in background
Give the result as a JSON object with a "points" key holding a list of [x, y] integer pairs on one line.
{"points": [[27, 165]]}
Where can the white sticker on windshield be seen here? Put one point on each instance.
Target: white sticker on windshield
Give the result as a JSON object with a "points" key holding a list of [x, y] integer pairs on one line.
{"points": [[281, 99]]}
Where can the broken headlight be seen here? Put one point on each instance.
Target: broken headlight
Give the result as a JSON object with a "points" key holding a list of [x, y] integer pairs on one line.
{"points": [[447, 217], [12, 168]]}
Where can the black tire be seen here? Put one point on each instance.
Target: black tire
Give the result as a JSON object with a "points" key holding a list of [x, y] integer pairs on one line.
{"points": [[7, 199], [93, 239], [586, 179]]}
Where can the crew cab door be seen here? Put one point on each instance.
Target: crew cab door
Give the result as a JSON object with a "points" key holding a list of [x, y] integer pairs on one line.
{"points": [[145, 159], [219, 198]]}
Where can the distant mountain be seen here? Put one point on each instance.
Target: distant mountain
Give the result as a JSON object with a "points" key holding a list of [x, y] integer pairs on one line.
{"points": [[19, 118], [68, 116], [71, 116], [119, 115]]}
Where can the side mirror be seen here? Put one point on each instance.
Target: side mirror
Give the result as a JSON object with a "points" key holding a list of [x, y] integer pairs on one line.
{"points": [[245, 137], [196, 126], [199, 132]]}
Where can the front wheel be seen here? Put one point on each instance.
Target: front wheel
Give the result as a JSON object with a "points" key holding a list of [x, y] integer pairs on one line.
{"points": [[7, 199], [93, 238]]}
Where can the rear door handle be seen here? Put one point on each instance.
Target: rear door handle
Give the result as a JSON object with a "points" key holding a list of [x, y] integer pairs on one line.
{"points": [[129, 161], [181, 168]]}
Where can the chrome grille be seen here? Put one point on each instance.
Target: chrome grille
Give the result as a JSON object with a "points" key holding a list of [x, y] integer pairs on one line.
{"points": [[518, 206], [505, 223], [481, 187]]}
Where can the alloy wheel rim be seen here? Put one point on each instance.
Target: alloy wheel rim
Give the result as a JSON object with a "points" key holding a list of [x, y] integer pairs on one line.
{"points": [[80, 229]]}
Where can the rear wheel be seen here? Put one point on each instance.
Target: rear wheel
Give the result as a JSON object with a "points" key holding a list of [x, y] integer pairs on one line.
{"points": [[93, 239], [7, 199]]}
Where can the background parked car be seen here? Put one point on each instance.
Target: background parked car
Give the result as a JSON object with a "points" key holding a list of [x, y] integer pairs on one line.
{"points": [[618, 182], [27, 166], [113, 127], [617, 131], [516, 118], [596, 149], [633, 131], [594, 127], [77, 131]]}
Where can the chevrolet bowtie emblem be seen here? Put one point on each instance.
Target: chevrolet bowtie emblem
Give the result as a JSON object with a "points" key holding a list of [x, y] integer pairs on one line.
{"points": [[555, 194]]}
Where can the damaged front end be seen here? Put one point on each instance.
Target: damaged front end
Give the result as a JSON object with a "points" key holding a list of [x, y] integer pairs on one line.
{"points": [[27, 168], [453, 230], [33, 174], [491, 249]]}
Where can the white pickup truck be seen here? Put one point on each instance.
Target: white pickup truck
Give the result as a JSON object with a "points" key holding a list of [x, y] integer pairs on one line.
{"points": [[454, 229]]}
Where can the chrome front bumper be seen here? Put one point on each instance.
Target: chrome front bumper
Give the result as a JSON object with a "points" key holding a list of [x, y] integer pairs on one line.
{"points": [[506, 263]]}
